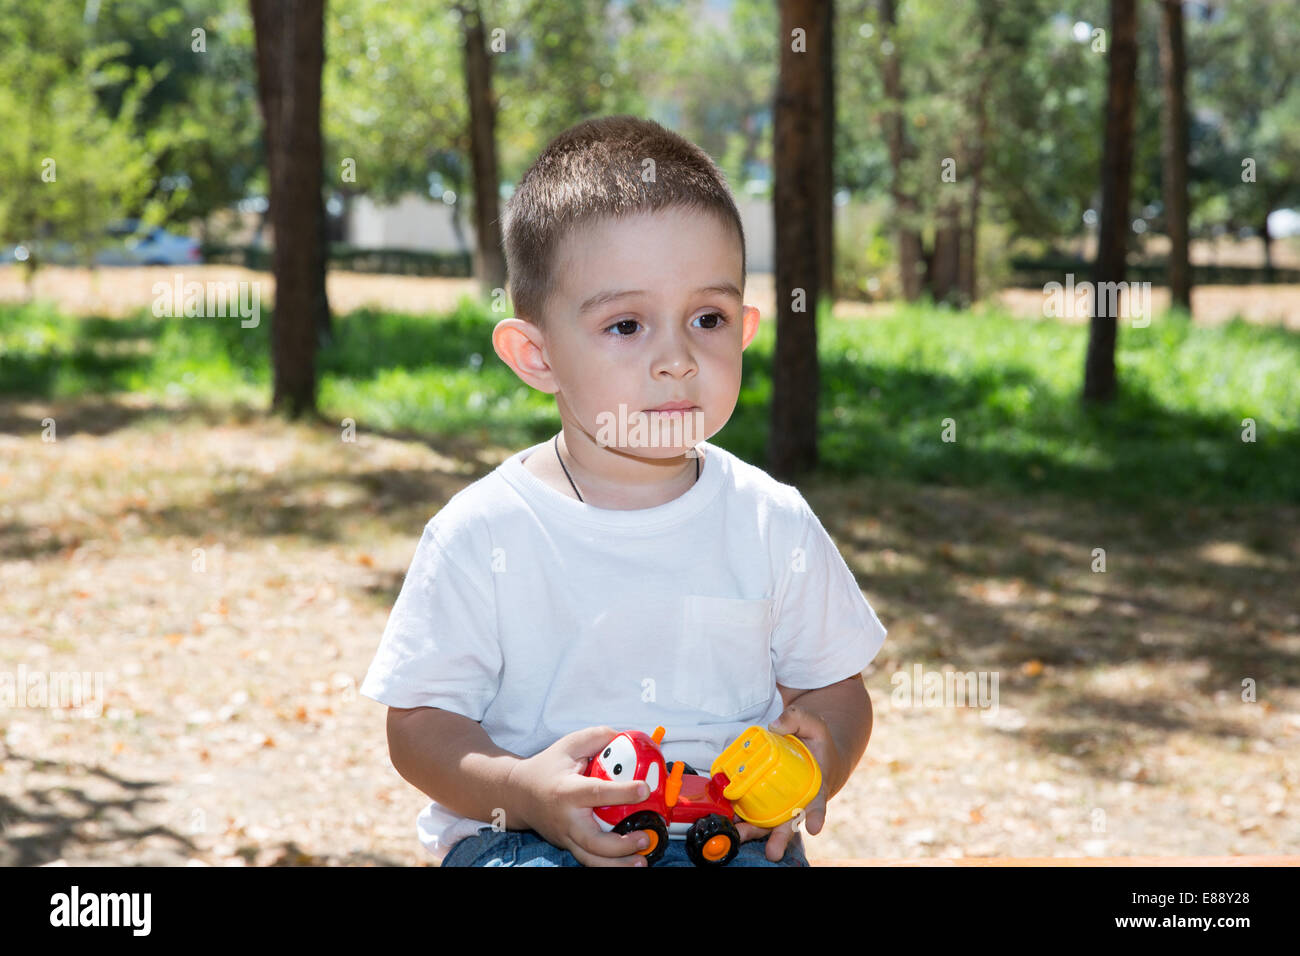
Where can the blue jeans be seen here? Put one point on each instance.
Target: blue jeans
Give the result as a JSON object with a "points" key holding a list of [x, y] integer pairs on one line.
{"points": [[528, 848]]}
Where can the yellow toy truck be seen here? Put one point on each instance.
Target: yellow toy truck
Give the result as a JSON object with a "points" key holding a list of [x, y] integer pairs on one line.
{"points": [[763, 778]]}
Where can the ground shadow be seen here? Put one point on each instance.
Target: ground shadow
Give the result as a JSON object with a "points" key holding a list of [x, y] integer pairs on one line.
{"points": [[60, 821], [1138, 617], [57, 821]]}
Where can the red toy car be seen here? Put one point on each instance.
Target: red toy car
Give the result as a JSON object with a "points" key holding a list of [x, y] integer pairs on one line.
{"points": [[683, 803]]}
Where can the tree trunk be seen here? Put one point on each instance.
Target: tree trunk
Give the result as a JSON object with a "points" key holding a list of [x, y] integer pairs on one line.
{"points": [[1173, 70], [1116, 179], [1268, 246], [799, 188], [289, 35], [324, 322], [905, 206], [968, 269], [969, 239], [753, 140], [945, 262], [346, 218], [490, 262], [826, 204]]}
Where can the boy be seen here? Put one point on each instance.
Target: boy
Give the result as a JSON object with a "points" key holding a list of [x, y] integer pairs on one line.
{"points": [[627, 573]]}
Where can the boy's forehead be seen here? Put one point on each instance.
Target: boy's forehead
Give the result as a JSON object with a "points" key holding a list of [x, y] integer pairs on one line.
{"points": [[673, 246]]}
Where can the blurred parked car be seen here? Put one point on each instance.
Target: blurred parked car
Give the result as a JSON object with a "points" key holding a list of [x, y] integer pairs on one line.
{"points": [[156, 247], [47, 252], [121, 246]]}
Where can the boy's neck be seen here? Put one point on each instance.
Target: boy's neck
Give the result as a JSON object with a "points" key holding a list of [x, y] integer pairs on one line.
{"points": [[679, 475]]}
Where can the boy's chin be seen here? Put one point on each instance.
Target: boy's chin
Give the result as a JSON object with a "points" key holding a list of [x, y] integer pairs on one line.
{"points": [[650, 436], [659, 453]]}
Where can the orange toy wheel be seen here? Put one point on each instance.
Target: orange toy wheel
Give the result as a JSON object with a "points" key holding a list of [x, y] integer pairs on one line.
{"points": [[716, 848], [653, 837], [655, 829], [712, 841]]}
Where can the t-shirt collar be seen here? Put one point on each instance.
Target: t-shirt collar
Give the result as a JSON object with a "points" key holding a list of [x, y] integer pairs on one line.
{"points": [[685, 506]]}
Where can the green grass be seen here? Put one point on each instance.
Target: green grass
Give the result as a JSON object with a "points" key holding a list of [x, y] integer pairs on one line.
{"points": [[1010, 386]]}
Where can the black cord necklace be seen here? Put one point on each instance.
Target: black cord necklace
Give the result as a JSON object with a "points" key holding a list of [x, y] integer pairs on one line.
{"points": [[575, 487]]}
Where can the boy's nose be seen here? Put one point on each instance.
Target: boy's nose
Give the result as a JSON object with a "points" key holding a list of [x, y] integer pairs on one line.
{"points": [[675, 359], [676, 368]]}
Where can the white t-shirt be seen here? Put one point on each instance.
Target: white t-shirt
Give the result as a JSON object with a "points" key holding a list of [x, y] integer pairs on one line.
{"points": [[536, 615]]}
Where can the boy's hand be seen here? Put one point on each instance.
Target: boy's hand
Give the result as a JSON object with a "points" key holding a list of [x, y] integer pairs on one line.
{"points": [[812, 730], [558, 799]]}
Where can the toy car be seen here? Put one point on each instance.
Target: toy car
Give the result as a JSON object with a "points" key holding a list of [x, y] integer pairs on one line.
{"points": [[761, 777]]}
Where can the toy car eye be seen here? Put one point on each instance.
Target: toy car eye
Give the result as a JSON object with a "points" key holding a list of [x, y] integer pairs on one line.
{"points": [[619, 759]]}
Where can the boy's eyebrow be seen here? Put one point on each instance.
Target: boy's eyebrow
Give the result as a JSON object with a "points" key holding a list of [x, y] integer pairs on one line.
{"points": [[611, 295]]}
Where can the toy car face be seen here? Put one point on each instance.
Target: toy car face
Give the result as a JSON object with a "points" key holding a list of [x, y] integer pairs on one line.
{"points": [[622, 761]]}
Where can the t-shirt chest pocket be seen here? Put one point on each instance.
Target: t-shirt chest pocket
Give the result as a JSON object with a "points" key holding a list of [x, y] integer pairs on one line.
{"points": [[723, 662]]}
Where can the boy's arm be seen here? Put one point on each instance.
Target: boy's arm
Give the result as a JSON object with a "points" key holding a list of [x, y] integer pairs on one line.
{"points": [[845, 708], [835, 723], [452, 760]]}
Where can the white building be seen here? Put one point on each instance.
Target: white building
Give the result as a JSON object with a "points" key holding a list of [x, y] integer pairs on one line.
{"points": [[417, 222]]}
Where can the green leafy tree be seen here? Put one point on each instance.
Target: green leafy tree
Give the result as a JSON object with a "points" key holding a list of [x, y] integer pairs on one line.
{"points": [[72, 166], [996, 120], [206, 96], [1244, 84]]}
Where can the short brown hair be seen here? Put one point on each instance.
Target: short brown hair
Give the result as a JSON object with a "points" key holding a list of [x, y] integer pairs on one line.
{"points": [[594, 170]]}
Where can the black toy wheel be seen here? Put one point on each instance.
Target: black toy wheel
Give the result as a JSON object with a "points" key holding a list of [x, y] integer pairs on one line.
{"points": [[712, 841], [657, 831]]}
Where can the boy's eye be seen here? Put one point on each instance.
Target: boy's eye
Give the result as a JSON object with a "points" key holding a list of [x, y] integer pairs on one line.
{"points": [[624, 324], [627, 327]]}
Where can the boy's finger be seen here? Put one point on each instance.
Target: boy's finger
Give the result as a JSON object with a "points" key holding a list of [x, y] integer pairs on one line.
{"points": [[592, 859], [776, 843], [795, 720], [611, 846], [748, 831], [588, 742], [594, 792]]}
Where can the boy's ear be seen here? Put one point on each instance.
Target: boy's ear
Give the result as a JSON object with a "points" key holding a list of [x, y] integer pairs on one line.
{"points": [[748, 325], [521, 345]]}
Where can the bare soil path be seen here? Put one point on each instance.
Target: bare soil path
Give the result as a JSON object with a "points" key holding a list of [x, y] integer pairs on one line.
{"points": [[228, 578]]}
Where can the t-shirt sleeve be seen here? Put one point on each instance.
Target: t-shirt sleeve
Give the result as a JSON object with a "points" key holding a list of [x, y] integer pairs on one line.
{"points": [[440, 647], [825, 629]]}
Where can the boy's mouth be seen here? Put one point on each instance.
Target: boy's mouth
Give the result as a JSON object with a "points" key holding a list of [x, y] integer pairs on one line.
{"points": [[674, 407]]}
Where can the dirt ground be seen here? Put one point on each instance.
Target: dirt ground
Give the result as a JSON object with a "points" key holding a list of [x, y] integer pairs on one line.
{"points": [[228, 578]]}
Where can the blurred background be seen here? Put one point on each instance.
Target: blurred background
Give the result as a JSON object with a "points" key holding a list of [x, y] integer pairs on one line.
{"points": [[218, 445]]}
